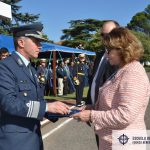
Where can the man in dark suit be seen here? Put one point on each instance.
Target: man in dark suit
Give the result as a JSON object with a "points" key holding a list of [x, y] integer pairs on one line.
{"points": [[102, 68], [22, 105]]}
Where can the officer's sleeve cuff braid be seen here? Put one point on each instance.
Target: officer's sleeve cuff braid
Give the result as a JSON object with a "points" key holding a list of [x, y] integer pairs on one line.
{"points": [[36, 109], [33, 109]]}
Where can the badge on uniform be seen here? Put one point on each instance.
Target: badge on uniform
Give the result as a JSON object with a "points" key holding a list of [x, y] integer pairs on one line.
{"points": [[25, 94]]}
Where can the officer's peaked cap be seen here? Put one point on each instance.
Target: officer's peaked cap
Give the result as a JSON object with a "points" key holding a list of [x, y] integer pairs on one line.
{"points": [[81, 55], [31, 30], [43, 60]]}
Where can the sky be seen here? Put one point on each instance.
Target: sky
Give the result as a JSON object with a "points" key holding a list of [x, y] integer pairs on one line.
{"points": [[55, 14]]}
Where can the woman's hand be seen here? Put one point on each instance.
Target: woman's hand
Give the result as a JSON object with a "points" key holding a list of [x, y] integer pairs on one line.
{"points": [[84, 116], [89, 107]]}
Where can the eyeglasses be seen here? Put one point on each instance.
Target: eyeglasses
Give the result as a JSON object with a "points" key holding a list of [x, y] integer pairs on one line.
{"points": [[107, 51]]}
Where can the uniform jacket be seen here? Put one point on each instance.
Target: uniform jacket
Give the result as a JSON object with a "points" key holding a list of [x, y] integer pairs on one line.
{"points": [[121, 103], [22, 106], [79, 68], [71, 68], [61, 73], [44, 71]]}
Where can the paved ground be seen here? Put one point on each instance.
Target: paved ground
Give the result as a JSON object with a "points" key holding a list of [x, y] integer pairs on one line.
{"points": [[72, 136]]}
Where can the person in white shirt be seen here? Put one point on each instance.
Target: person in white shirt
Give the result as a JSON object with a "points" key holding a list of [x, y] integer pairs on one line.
{"points": [[102, 68]]}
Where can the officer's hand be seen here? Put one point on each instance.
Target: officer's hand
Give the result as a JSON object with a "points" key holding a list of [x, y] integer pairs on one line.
{"points": [[58, 107], [88, 107]]}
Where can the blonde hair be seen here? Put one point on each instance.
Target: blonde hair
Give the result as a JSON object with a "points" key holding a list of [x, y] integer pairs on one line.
{"points": [[128, 46]]}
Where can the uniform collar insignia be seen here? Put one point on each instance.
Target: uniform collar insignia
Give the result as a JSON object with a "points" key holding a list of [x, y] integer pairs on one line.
{"points": [[20, 62]]}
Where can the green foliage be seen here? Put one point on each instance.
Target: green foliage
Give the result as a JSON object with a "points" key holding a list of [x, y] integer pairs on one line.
{"points": [[141, 21], [68, 96], [85, 32], [18, 18], [46, 37], [145, 40]]}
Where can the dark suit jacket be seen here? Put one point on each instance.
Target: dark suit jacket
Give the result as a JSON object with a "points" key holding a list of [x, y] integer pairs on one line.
{"points": [[21, 105], [61, 73], [109, 70]]}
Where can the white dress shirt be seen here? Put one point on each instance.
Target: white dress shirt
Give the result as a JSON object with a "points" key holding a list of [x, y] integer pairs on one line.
{"points": [[94, 81]]}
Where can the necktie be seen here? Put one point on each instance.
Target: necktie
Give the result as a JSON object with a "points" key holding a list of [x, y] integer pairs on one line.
{"points": [[30, 71]]}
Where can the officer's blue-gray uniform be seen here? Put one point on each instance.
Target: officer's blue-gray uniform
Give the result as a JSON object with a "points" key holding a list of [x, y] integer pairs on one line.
{"points": [[22, 106]]}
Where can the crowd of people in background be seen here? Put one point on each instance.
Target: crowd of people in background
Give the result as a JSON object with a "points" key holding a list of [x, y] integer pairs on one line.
{"points": [[72, 74], [68, 71]]}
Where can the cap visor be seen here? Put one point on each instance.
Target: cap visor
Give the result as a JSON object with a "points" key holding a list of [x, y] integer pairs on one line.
{"points": [[39, 37]]}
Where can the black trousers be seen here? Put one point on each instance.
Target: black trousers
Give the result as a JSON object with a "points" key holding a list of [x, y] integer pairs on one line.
{"points": [[79, 91], [66, 88]]}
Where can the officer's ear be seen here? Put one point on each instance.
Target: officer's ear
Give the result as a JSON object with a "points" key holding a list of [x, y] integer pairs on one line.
{"points": [[21, 42]]}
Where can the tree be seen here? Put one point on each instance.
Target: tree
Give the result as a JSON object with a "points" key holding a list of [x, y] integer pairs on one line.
{"points": [[145, 40], [18, 18], [140, 24], [85, 32], [141, 21]]}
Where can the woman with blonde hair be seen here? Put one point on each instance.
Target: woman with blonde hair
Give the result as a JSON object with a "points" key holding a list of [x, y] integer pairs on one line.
{"points": [[124, 97]]}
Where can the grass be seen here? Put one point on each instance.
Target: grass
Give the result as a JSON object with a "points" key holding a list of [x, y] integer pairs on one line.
{"points": [[67, 97]]}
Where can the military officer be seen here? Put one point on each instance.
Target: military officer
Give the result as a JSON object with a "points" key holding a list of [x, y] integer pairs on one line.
{"points": [[44, 74], [79, 79], [21, 101]]}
